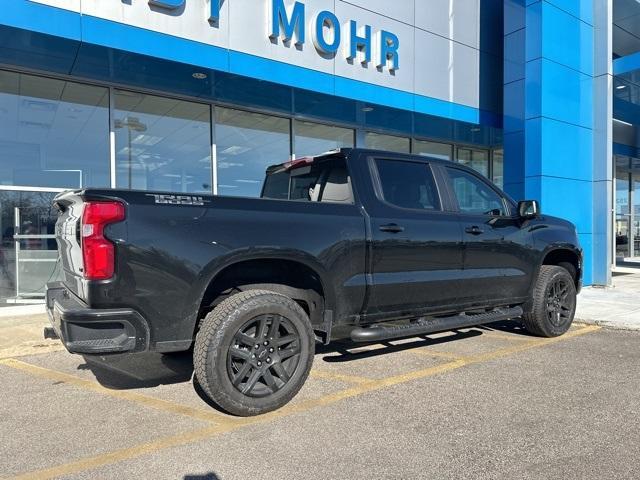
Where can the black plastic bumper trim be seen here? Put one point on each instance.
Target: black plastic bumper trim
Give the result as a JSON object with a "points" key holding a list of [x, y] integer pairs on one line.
{"points": [[82, 329]]}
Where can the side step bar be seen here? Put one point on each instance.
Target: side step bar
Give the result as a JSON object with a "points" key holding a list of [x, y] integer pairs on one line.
{"points": [[432, 325]]}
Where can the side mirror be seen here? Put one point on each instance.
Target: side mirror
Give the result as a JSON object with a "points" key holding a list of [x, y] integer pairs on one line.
{"points": [[528, 209]]}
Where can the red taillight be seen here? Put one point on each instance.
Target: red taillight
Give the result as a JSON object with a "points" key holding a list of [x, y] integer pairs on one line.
{"points": [[97, 251]]}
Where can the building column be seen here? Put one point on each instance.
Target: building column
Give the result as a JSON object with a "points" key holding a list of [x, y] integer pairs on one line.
{"points": [[553, 151], [603, 170]]}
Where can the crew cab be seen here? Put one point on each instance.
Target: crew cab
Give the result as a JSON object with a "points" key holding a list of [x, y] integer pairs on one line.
{"points": [[338, 245]]}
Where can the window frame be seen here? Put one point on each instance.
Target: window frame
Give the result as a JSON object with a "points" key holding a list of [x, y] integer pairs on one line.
{"points": [[508, 207], [379, 191]]}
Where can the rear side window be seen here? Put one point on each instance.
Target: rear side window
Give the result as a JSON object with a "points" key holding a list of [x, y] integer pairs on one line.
{"points": [[474, 195], [408, 184], [325, 181]]}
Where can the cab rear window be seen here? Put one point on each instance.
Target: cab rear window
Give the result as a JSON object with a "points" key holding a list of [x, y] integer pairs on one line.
{"points": [[325, 181]]}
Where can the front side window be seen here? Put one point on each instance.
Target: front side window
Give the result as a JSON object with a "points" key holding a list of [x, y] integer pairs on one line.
{"points": [[408, 184], [321, 181], [474, 195]]}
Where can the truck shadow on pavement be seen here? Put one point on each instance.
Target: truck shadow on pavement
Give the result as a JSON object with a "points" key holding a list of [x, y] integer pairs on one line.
{"points": [[146, 370]]}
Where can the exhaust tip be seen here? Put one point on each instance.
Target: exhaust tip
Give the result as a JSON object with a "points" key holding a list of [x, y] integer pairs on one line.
{"points": [[50, 334]]}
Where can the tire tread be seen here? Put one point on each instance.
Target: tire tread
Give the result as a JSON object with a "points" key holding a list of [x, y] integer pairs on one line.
{"points": [[213, 325], [535, 320]]}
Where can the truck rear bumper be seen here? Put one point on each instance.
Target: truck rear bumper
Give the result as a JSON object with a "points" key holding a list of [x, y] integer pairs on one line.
{"points": [[94, 331]]}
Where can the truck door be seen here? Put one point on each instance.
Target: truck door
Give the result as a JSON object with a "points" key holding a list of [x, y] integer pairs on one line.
{"points": [[499, 259], [415, 249]]}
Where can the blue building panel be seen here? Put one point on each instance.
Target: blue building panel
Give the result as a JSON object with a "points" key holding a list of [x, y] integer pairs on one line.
{"points": [[563, 197], [514, 56], [514, 106], [562, 148], [552, 159], [553, 45], [38, 18]]}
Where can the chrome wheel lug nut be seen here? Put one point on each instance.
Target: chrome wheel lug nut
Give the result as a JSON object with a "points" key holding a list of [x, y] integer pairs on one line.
{"points": [[259, 364], [266, 343], [269, 360], [271, 350], [257, 345]]}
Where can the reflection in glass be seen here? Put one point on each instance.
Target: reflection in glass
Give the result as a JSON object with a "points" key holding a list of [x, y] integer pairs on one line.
{"points": [[26, 265], [247, 144], [498, 167], [389, 143], [53, 133], [473, 195], [627, 209], [476, 159], [443, 151], [314, 138], [162, 143]]}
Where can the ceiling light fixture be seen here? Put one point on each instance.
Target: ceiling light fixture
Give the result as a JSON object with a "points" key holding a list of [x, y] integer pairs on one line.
{"points": [[199, 75], [620, 87], [367, 109]]}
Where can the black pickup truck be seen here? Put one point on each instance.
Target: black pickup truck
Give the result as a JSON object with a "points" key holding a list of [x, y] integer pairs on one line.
{"points": [[338, 245]]}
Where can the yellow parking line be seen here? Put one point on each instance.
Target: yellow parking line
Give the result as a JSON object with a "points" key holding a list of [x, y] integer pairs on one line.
{"points": [[151, 402], [507, 336], [234, 424]]}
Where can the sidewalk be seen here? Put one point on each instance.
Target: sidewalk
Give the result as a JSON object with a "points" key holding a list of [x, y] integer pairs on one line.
{"points": [[21, 331], [617, 306]]}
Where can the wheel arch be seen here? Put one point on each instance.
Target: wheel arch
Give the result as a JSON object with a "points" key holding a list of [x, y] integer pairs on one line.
{"points": [[294, 275], [564, 256]]}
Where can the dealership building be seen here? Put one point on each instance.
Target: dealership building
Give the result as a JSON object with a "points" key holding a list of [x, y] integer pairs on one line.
{"points": [[201, 96]]}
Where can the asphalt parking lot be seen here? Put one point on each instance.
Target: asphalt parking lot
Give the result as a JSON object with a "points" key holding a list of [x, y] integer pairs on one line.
{"points": [[487, 402]]}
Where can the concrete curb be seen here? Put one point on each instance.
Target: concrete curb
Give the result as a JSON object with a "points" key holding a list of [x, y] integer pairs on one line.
{"points": [[612, 325]]}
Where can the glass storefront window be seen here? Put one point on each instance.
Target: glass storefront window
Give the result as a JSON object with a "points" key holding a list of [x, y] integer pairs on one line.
{"points": [[162, 143], [28, 252], [247, 144], [53, 133], [389, 143], [498, 167], [315, 138], [476, 159], [443, 151], [627, 208]]}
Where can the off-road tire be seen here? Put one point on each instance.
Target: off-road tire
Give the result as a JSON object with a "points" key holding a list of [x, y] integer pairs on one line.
{"points": [[218, 334], [538, 321]]}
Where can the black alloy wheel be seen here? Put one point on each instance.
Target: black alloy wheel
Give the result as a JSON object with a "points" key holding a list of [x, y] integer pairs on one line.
{"points": [[264, 355], [253, 352], [553, 302], [560, 304]]}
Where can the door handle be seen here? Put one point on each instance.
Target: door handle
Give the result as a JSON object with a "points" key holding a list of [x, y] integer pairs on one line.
{"points": [[474, 230], [391, 228]]}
